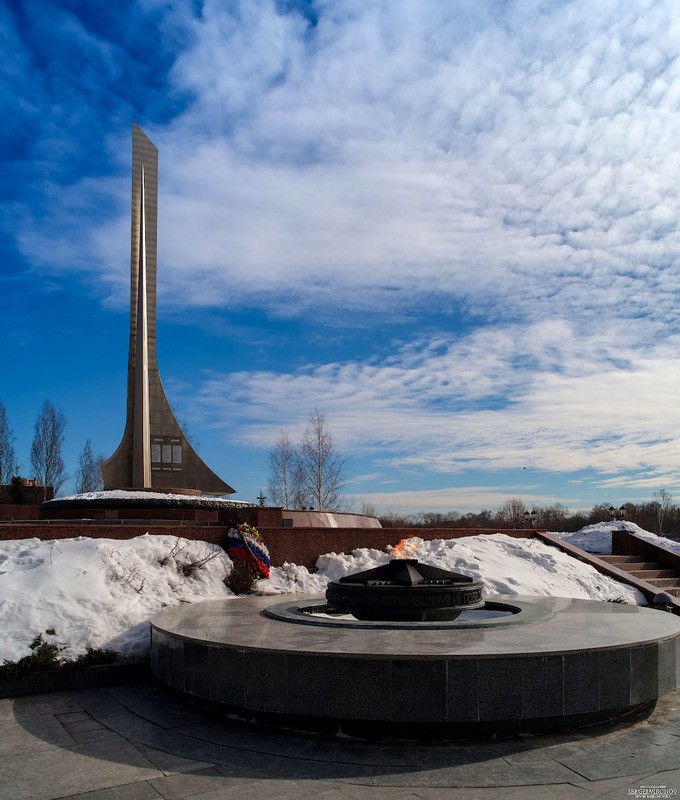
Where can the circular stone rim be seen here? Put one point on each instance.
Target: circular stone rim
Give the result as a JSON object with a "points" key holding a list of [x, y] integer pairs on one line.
{"points": [[522, 613]]}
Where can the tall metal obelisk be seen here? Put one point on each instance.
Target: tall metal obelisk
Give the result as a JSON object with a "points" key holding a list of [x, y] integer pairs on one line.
{"points": [[154, 452]]}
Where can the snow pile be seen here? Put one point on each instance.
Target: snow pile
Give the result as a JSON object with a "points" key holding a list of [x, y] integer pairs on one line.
{"points": [[100, 592], [598, 538], [122, 494], [291, 579], [504, 564]]}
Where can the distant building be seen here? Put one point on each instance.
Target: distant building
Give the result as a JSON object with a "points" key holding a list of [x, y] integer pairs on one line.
{"points": [[25, 490]]}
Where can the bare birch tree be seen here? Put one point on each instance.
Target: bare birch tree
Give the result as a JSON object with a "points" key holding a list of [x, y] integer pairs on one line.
{"points": [[89, 473], [663, 500], [48, 439], [284, 479], [322, 470], [8, 461]]}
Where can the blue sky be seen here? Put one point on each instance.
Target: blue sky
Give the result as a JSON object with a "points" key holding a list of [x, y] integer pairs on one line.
{"points": [[452, 227]]}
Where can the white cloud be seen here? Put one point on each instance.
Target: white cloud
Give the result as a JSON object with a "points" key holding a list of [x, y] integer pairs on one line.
{"points": [[462, 499], [513, 164], [544, 396], [513, 160]]}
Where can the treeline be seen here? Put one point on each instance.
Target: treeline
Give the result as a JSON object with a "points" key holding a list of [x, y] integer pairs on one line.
{"points": [[660, 516], [47, 466]]}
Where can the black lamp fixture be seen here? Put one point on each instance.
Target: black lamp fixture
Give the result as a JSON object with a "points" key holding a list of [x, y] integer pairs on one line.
{"points": [[617, 513], [530, 517]]}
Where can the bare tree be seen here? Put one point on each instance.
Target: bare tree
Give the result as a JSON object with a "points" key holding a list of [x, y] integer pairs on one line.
{"points": [[89, 473], [189, 434], [512, 513], [322, 469], [663, 500], [285, 479], [8, 461], [48, 439]]}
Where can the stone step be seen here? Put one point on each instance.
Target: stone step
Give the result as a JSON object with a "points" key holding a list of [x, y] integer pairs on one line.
{"points": [[620, 559], [645, 574], [665, 583]]}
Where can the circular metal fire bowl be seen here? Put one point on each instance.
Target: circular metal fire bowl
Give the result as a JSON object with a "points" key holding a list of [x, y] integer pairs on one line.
{"points": [[405, 590], [492, 614]]}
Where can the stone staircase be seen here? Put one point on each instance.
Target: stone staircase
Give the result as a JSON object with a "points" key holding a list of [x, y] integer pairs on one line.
{"points": [[667, 580]]}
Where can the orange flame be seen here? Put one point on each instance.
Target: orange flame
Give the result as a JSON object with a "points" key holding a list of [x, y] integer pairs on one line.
{"points": [[405, 549]]}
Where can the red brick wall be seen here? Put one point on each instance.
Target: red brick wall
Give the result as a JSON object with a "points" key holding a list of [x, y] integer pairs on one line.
{"points": [[304, 545], [10, 512], [42, 530], [294, 545]]}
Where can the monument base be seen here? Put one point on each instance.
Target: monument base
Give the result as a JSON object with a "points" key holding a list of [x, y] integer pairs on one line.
{"points": [[590, 662]]}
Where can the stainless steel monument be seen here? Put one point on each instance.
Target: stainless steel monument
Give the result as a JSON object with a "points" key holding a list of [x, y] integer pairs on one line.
{"points": [[154, 452]]}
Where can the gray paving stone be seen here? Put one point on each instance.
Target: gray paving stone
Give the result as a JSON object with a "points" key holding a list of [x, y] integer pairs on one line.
{"points": [[628, 761], [618, 788], [32, 735], [56, 703], [56, 772], [667, 778], [100, 735], [130, 791], [169, 763], [191, 784], [241, 762], [492, 773], [355, 792], [268, 789]]}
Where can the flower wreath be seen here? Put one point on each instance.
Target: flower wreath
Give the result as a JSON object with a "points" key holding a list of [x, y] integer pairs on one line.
{"points": [[244, 543]]}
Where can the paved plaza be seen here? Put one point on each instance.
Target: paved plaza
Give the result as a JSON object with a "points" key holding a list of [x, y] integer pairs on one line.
{"points": [[137, 742]]}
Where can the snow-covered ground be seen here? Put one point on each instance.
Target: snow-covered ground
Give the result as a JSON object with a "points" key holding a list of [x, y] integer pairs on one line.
{"points": [[101, 592], [598, 538], [122, 494]]}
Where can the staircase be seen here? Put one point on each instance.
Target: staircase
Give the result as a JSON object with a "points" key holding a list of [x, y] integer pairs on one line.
{"points": [[667, 580]]}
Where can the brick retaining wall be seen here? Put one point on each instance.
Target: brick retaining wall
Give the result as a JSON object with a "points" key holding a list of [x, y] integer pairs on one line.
{"points": [[304, 545], [293, 545]]}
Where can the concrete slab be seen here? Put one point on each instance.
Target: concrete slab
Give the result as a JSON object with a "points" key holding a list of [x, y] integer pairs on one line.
{"points": [[197, 783], [216, 759], [57, 772]]}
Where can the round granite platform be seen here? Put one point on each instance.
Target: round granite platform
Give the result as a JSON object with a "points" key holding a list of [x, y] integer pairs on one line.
{"points": [[589, 662]]}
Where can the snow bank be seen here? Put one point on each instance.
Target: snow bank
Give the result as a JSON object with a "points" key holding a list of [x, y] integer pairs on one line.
{"points": [[101, 592], [122, 494], [504, 564], [598, 538]]}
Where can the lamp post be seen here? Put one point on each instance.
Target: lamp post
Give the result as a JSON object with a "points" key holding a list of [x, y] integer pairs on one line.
{"points": [[530, 517], [261, 498], [617, 513]]}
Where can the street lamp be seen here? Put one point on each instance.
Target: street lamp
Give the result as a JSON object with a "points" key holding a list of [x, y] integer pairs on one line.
{"points": [[261, 498], [530, 517], [617, 513]]}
